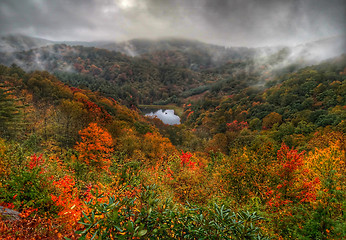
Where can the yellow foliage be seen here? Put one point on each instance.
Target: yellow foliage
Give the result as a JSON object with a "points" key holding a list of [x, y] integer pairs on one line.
{"points": [[326, 162], [107, 102], [155, 146], [79, 96]]}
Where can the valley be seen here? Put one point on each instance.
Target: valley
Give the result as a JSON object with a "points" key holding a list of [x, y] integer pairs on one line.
{"points": [[258, 152]]}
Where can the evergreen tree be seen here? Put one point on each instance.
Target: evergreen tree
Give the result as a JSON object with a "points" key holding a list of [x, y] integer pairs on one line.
{"points": [[9, 112]]}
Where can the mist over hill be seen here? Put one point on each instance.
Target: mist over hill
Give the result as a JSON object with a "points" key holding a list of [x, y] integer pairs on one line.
{"points": [[17, 43], [164, 70], [310, 51]]}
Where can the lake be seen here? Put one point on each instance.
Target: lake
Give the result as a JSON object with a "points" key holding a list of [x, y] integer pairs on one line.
{"points": [[167, 116]]}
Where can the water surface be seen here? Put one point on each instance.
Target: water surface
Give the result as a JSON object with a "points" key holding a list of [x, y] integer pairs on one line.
{"points": [[167, 116]]}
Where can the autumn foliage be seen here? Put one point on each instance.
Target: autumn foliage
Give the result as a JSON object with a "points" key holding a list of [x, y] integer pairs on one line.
{"points": [[185, 160], [244, 166], [294, 183], [237, 126], [96, 147]]}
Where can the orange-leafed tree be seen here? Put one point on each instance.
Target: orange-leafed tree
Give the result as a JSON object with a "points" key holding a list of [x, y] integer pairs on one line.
{"points": [[96, 147], [155, 146]]}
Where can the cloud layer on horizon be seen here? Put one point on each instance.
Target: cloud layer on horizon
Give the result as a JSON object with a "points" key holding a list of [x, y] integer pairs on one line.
{"points": [[223, 22]]}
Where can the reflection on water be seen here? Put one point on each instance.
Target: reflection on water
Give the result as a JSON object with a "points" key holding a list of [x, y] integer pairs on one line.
{"points": [[167, 116]]}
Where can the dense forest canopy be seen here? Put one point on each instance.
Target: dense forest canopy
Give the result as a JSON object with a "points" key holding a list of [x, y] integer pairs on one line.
{"points": [[260, 152]]}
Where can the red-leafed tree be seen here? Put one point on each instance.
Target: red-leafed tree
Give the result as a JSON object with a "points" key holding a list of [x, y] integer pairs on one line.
{"points": [[294, 184], [237, 126], [185, 160]]}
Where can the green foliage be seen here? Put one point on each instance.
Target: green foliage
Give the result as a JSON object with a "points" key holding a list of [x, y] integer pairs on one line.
{"points": [[142, 127], [148, 218], [27, 186], [45, 86], [255, 124], [222, 223], [9, 112]]}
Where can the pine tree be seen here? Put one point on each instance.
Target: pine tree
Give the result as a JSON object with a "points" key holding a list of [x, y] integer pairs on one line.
{"points": [[9, 112]]}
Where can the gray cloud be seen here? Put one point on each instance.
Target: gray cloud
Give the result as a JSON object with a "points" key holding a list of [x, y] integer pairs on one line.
{"points": [[225, 22]]}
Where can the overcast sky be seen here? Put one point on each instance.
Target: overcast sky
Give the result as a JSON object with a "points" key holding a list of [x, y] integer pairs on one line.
{"points": [[223, 22]]}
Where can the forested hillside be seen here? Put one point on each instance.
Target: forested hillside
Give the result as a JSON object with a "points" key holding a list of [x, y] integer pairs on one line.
{"points": [[297, 104], [166, 71], [114, 74], [254, 158], [149, 120]]}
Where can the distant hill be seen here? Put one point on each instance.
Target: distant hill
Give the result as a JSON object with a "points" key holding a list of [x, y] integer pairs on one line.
{"points": [[181, 52], [18, 43], [193, 54], [113, 73], [142, 46], [167, 51], [164, 71]]}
